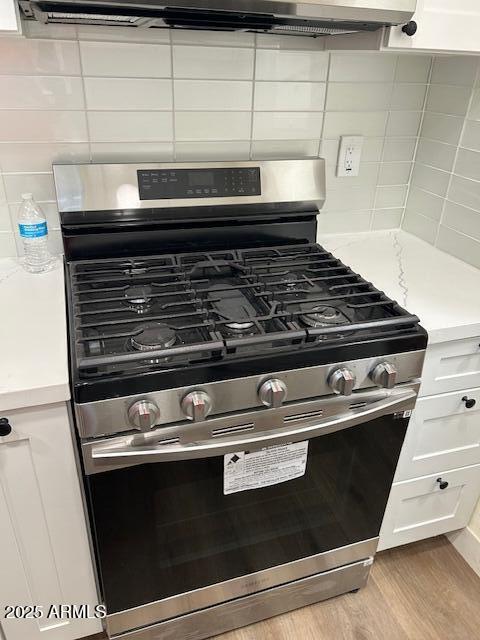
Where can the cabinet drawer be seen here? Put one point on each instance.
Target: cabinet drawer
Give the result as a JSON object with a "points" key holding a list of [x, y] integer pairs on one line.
{"points": [[443, 434], [451, 366], [419, 509]]}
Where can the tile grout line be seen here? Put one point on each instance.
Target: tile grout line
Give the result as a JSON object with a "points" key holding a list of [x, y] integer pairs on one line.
{"points": [[85, 110], [327, 84], [452, 172], [382, 155], [417, 140]]}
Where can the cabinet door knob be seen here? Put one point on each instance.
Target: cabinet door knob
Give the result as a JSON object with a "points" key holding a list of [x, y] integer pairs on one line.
{"points": [[410, 28], [5, 427], [469, 402], [443, 483]]}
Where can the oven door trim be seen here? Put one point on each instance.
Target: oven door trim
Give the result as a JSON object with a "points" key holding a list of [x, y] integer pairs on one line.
{"points": [[165, 445], [153, 612]]}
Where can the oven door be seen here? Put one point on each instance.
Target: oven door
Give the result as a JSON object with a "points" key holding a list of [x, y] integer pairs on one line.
{"points": [[170, 539]]}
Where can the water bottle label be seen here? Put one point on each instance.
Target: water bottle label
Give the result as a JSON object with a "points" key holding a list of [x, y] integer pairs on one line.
{"points": [[38, 230]]}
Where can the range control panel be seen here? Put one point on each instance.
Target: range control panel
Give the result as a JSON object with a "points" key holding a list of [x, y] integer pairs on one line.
{"points": [[160, 184]]}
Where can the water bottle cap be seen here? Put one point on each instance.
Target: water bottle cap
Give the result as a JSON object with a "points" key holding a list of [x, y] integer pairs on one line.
{"points": [[27, 196]]}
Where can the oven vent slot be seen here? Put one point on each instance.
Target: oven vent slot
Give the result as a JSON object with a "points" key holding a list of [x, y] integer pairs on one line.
{"points": [[166, 441], [304, 416], [226, 431], [357, 405]]}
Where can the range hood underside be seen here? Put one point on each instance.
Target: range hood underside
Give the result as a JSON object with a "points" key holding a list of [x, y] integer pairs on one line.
{"points": [[190, 14]]}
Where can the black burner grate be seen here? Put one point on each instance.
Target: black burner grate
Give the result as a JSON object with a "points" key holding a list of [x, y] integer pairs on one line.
{"points": [[220, 305]]}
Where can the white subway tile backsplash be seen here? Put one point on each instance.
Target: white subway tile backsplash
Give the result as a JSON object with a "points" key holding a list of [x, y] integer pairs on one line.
{"points": [[388, 197], [396, 150], [41, 92], [403, 123], [468, 164], [309, 66], [370, 124], [40, 184], [430, 179], [371, 150], [362, 67], [131, 151], [343, 222], [39, 157], [367, 175], [408, 97], [130, 126], [358, 97], [411, 68], [283, 149], [466, 192], [212, 125], [427, 204], [101, 33], [420, 226], [213, 38], [436, 154], [7, 244], [461, 219], [448, 99], [459, 245], [191, 151], [474, 111], [353, 199], [34, 29], [471, 135], [274, 41], [125, 94], [42, 57], [43, 126], [5, 224], [213, 95], [289, 96], [457, 70], [221, 63], [393, 173], [125, 60], [442, 127], [387, 219], [287, 125]]}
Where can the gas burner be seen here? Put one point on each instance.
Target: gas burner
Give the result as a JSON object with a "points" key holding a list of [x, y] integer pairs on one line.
{"points": [[239, 327], [322, 316], [135, 271], [290, 280], [138, 298], [153, 335]]}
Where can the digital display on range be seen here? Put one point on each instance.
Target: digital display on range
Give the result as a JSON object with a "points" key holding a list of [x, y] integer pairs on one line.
{"points": [[159, 184]]}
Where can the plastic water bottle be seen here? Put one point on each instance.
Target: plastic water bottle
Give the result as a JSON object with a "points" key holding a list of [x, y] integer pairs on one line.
{"points": [[34, 233]]}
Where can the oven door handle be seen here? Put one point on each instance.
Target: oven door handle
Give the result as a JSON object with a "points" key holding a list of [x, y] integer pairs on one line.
{"points": [[119, 452]]}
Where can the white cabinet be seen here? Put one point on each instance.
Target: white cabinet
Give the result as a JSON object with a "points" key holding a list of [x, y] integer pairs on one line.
{"points": [[9, 17], [442, 441], [443, 25], [44, 552], [444, 433], [421, 508]]}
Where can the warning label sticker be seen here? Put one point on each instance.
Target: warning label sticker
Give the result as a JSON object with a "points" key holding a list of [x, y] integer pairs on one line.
{"points": [[245, 470]]}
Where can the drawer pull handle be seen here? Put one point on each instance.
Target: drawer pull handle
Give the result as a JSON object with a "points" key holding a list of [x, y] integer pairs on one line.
{"points": [[443, 483], [469, 402], [5, 427]]}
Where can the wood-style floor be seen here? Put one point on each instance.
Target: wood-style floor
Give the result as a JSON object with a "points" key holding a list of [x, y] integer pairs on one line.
{"points": [[423, 591]]}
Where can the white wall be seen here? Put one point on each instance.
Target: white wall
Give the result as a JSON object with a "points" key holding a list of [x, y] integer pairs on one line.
{"points": [[114, 94]]}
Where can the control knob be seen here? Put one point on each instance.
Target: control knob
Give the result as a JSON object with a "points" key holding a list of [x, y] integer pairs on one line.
{"points": [[384, 375], [342, 381], [273, 393], [196, 405], [143, 414]]}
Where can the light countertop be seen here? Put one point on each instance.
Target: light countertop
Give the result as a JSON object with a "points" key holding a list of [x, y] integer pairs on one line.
{"points": [[441, 290], [33, 337]]}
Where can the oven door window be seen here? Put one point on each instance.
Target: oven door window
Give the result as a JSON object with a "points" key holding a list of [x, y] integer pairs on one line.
{"points": [[167, 528]]}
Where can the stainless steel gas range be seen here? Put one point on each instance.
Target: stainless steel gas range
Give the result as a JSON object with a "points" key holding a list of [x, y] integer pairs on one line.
{"points": [[241, 396]]}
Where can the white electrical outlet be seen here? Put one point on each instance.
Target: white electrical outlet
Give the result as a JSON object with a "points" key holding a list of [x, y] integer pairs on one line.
{"points": [[349, 155]]}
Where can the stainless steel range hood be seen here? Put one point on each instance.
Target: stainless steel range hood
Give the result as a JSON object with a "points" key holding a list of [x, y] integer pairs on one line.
{"points": [[308, 17]]}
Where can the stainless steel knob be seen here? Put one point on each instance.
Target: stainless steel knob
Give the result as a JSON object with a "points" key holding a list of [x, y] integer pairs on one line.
{"points": [[342, 381], [196, 405], [273, 393], [384, 375], [143, 414]]}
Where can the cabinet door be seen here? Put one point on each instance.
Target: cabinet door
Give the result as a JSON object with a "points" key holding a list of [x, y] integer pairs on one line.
{"points": [[451, 366], [420, 509], [9, 18], [44, 555], [443, 25], [443, 433]]}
